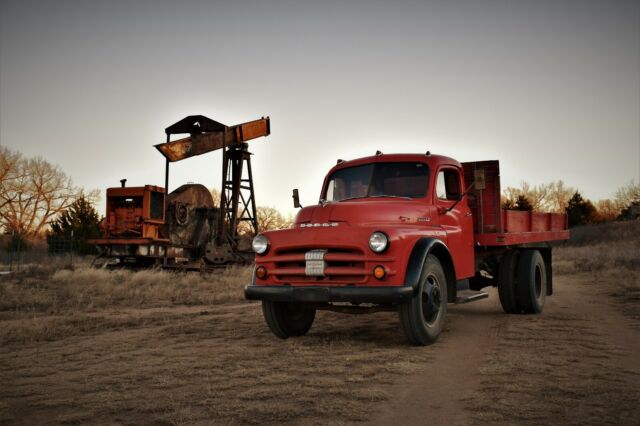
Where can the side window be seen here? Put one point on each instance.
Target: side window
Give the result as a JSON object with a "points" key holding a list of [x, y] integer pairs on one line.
{"points": [[448, 185]]}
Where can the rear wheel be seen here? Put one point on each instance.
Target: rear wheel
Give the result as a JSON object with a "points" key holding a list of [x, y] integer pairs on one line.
{"points": [[532, 282], [424, 315], [288, 319], [507, 283]]}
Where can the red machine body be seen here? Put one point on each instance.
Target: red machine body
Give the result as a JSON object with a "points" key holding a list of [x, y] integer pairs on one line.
{"points": [[134, 218]]}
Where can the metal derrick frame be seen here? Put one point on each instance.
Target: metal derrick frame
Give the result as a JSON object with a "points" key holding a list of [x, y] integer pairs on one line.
{"points": [[237, 196]]}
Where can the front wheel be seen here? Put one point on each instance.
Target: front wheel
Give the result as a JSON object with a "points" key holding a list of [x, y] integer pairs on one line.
{"points": [[288, 319], [424, 315]]}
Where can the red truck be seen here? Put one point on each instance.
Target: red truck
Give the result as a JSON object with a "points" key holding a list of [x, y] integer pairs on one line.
{"points": [[407, 233]]}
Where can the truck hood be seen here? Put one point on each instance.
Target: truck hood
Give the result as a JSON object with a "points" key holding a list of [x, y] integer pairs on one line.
{"points": [[364, 211]]}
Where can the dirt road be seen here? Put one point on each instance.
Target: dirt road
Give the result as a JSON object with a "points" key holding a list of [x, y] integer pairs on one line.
{"points": [[577, 363]]}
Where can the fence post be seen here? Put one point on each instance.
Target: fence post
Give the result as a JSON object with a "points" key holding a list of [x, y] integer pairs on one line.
{"points": [[10, 249], [71, 251], [19, 251]]}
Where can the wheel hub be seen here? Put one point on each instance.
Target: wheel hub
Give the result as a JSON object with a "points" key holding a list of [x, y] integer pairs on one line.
{"points": [[431, 299]]}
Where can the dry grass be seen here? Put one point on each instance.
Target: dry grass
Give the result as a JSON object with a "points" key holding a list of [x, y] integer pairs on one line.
{"points": [[612, 232], [556, 369], [83, 289], [47, 304], [608, 256]]}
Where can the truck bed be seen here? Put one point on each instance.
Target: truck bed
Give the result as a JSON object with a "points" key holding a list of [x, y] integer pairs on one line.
{"points": [[495, 226]]}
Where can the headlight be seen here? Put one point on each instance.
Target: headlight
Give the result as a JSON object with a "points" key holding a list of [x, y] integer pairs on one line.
{"points": [[260, 244], [378, 242]]}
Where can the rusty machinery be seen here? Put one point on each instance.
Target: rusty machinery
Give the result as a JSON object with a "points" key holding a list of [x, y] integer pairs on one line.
{"points": [[185, 229]]}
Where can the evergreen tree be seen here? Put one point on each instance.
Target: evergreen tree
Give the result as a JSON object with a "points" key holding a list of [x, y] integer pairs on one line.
{"points": [[580, 211], [523, 204], [81, 221]]}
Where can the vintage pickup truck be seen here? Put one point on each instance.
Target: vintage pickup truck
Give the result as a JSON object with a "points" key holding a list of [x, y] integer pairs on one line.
{"points": [[408, 233]]}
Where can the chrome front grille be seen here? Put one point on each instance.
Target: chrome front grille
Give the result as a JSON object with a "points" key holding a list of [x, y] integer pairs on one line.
{"points": [[313, 265]]}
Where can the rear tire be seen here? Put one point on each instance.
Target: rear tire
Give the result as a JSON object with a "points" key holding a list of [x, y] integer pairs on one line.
{"points": [[288, 319], [507, 283], [532, 282], [423, 316]]}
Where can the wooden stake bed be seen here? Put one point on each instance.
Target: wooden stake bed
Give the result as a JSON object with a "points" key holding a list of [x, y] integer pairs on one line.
{"points": [[495, 226]]}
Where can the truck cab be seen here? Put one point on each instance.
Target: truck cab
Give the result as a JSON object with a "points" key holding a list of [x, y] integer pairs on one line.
{"points": [[390, 232]]}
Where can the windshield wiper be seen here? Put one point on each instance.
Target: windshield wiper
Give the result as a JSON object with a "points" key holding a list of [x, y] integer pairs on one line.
{"points": [[351, 198], [377, 196], [390, 196]]}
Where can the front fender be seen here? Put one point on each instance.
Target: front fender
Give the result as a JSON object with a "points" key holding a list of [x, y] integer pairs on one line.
{"points": [[423, 248]]}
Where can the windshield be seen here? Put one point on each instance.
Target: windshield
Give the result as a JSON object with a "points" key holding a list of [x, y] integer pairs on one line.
{"points": [[406, 180]]}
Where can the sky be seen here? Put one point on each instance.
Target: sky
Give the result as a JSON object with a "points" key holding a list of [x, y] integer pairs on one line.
{"points": [[549, 88]]}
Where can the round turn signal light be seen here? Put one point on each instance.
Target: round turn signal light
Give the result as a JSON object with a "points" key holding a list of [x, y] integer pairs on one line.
{"points": [[379, 272], [261, 272]]}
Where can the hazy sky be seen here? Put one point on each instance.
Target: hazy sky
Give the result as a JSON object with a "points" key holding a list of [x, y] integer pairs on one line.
{"points": [[550, 88]]}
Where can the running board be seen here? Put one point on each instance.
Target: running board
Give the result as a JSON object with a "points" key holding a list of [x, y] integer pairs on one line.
{"points": [[467, 296]]}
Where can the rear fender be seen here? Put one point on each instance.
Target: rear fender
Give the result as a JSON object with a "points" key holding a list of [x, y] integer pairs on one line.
{"points": [[423, 248]]}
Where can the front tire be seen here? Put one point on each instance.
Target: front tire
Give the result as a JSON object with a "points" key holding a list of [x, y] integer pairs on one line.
{"points": [[288, 319], [423, 316], [532, 282]]}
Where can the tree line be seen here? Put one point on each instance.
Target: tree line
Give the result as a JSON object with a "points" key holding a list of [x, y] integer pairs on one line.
{"points": [[556, 197]]}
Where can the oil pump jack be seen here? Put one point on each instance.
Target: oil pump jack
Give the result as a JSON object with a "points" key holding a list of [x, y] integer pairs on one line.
{"points": [[185, 230]]}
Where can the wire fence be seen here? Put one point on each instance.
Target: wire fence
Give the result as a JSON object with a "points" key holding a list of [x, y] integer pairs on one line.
{"points": [[19, 253]]}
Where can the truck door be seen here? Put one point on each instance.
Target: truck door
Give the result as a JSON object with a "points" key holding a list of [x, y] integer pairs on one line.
{"points": [[457, 222]]}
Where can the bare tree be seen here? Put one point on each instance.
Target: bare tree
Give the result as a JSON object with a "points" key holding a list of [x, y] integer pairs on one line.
{"points": [[558, 196], [535, 195], [269, 219], [32, 192], [608, 210], [548, 197], [627, 194], [8, 174], [215, 195]]}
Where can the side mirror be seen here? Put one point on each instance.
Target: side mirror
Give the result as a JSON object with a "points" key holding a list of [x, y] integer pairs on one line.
{"points": [[296, 199]]}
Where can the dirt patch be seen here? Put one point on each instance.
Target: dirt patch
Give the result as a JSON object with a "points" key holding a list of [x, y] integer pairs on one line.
{"points": [[221, 364], [566, 366]]}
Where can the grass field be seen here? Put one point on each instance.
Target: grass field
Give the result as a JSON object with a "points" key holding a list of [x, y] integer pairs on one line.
{"points": [[96, 346], [609, 257]]}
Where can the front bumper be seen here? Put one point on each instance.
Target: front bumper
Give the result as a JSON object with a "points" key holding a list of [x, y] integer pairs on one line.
{"points": [[310, 294]]}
